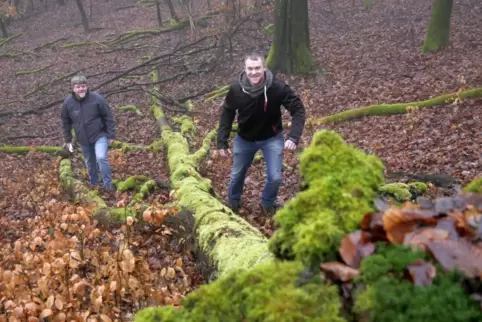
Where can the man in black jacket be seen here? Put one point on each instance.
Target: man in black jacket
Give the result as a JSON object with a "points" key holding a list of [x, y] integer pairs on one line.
{"points": [[94, 127], [257, 97]]}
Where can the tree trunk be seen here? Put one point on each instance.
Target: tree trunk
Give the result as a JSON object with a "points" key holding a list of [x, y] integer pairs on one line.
{"points": [[3, 28], [61, 2], [290, 52], [171, 9], [158, 11], [438, 33], [85, 22], [229, 11]]}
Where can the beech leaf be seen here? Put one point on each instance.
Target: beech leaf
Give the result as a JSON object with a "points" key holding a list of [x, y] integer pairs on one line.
{"points": [[339, 271]]}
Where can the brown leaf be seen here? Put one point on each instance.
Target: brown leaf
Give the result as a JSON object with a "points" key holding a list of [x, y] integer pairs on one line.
{"points": [[171, 273], [353, 248], [105, 318], [458, 254], [448, 224], [45, 313], [399, 222], [339, 271], [422, 236], [128, 261], [421, 272]]}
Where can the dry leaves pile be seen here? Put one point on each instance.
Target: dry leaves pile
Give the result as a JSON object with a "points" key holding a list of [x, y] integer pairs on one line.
{"points": [[448, 228], [57, 263]]}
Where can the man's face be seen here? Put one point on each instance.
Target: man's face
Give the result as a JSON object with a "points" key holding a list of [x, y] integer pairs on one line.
{"points": [[80, 89], [255, 71]]}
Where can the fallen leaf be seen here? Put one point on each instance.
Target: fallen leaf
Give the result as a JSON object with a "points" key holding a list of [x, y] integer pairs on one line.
{"points": [[421, 272], [422, 236], [128, 262], [458, 254], [339, 271], [45, 313], [353, 249], [171, 273]]}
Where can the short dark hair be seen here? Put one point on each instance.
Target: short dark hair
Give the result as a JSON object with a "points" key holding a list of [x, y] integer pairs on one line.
{"points": [[254, 56]]}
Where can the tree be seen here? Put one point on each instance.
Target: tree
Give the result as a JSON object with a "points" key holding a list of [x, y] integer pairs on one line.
{"points": [[3, 28], [158, 12], [171, 10], [290, 52], [438, 32], [85, 22]]}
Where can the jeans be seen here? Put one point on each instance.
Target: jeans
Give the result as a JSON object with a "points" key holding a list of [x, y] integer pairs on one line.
{"points": [[244, 152], [96, 159]]}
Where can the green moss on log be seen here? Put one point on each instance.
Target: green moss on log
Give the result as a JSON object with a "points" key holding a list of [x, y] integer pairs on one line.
{"points": [[265, 293], [223, 91], [393, 109], [340, 183], [143, 191], [27, 72], [26, 149], [475, 186], [78, 44], [229, 241], [187, 125], [3, 42], [132, 108], [404, 192], [133, 182], [385, 295]]}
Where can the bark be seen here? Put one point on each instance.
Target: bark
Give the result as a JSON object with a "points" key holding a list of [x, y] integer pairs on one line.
{"points": [[393, 109], [438, 33], [83, 16], [228, 240], [3, 28], [158, 12], [290, 52], [171, 10], [61, 2], [229, 11]]}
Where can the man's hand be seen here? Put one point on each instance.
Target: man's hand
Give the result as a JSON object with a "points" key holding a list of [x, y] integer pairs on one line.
{"points": [[290, 145], [69, 147], [224, 152]]}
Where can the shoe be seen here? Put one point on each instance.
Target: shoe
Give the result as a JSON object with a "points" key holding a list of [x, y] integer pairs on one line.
{"points": [[270, 210], [234, 205]]}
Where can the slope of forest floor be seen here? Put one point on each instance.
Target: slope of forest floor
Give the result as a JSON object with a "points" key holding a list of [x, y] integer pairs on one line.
{"points": [[364, 56]]}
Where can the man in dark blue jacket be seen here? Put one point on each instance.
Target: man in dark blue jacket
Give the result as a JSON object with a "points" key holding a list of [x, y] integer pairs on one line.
{"points": [[94, 127], [256, 96]]}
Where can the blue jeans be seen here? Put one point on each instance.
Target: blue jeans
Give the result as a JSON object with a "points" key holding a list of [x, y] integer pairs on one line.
{"points": [[96, 159], [244, 152]]}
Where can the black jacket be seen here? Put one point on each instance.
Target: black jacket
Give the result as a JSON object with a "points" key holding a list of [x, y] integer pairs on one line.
{"points": [[90, 116], [256, 122]]}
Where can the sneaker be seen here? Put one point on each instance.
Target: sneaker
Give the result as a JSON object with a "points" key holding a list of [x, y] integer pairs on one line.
{"points": [[234, 205], [270, 210]]}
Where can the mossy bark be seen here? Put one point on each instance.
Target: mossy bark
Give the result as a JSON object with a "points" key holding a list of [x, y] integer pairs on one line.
{"points": [[26, 149], [218, 93], [79, 192], [438, 33], [394, 109], [130, 108], [32, 71], [228, 241], [3, 42], [290, 52]]}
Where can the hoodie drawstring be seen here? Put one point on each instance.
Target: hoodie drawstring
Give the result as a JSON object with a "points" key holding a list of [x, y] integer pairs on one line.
{"points": [[265, 99]]}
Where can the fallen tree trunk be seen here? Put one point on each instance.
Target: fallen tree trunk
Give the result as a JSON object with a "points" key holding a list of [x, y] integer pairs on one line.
{"points": [[394, 109], [229, 242]]}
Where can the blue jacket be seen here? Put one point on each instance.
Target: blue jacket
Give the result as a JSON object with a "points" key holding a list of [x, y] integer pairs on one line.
{"points": [[90, 117]]}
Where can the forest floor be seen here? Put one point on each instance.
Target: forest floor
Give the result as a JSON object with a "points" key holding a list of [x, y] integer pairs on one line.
{"points": [[364, 56]]}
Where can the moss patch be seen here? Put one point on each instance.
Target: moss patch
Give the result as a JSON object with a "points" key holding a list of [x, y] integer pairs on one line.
{"points": [[475, 186], [404, 192], [387, 296], [266, 293], [340, 183]]}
